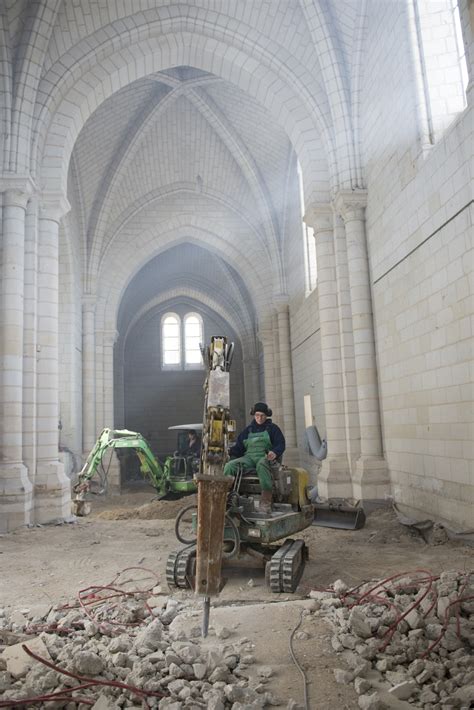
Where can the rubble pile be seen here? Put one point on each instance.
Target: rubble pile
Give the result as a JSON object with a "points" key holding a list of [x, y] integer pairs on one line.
{"points": [[407, 641], [169, 666]]}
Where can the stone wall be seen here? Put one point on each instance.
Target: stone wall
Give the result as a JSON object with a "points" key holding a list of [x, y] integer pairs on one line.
{"points": [[419, 219]]}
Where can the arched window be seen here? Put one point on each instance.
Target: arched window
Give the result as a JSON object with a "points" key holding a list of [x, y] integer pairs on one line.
{"points": [[171, 341], [309, 244], [442, 58], [193, 337]]}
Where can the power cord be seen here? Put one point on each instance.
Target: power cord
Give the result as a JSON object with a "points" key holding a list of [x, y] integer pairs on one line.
{"points": [[295, 661]]}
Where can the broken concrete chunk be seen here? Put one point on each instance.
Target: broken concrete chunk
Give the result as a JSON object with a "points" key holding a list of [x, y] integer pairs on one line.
{"points": [[222, 632], [88, 663], [359, 624], [119, 643], [18, 661], [403, 690], [105, 703], [370, 702], [199, 670], [5, 680], [414, 619], [265, 671], [342, 677], [150, 636], [340, 587], [361, 686]]}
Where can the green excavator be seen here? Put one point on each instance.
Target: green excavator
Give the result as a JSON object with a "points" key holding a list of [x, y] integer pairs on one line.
{"points": [[174, 477]]}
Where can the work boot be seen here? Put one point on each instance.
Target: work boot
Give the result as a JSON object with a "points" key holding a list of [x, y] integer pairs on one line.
{"points": [[265, 502]]}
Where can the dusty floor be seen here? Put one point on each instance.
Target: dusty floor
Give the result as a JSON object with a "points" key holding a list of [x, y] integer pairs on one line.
{"points": [[52, 563]]}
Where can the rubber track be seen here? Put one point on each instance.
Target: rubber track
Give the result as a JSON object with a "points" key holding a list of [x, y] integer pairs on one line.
{"points": [[287, 565], [177, 567]]}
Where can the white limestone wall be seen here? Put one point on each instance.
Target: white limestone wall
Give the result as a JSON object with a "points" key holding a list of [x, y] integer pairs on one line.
{"points": [[419, 220]]}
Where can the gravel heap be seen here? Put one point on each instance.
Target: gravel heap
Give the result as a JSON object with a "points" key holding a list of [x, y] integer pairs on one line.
{"points": [[406, 642], [154, 656]]}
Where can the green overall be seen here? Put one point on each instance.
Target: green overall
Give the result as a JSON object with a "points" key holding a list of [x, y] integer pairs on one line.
{"points": [[256, 446]]}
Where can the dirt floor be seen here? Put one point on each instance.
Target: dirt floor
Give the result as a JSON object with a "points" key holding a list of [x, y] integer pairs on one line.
{"points": [[52, 563]]}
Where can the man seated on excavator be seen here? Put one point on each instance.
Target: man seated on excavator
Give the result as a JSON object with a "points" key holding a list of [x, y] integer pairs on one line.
{"points": [[258, 446], [193, 444]]}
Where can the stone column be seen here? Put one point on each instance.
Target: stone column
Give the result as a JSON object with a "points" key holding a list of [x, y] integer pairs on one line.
{"points": [[119, 398], [109, 340], [250, 382], [276, 404], [371, 479], [111, 462], [89, 434], [286, 377], [265, 336], [52, 486], [334, 479], [30, 338], [15, 486], [351, 409]]}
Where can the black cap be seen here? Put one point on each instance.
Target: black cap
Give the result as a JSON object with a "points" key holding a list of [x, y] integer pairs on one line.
{"points": [[261, 407]]}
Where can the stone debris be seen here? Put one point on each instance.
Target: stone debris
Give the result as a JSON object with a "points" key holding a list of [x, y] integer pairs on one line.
{"points": [[385, 641], [149, 653]]}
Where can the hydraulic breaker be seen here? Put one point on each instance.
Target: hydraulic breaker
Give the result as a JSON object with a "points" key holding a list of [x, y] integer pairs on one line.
{"points": [[212, 485]]}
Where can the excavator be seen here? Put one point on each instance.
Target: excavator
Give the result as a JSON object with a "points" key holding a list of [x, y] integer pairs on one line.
{"points": [[227, 526], [174, 477]]}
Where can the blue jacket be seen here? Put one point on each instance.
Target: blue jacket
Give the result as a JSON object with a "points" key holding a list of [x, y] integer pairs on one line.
{"points": [[274, 432]]}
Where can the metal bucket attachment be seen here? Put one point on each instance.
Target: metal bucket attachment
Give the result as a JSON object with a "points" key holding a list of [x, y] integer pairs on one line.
{"points": [[338, 514]]}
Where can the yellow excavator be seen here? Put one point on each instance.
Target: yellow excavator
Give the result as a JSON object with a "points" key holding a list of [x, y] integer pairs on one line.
{"points": [[227, 524]]}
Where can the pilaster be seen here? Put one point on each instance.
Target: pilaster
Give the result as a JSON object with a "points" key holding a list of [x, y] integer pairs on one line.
{"points": [[265, 335], [109, 339], [334, 479], [15, 486], [371, 480], [52, 486], [280, 302], [89, 434], [250, 365]]}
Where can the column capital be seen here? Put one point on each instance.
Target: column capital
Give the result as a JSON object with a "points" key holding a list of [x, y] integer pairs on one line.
{"points": [[18, 188], [280, 301], [351, 204], [89, 302], [53, 206], [319, 216]]}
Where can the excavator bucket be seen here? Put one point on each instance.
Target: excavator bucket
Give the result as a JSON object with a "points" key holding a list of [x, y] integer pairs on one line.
{"points": [[336, 513]]}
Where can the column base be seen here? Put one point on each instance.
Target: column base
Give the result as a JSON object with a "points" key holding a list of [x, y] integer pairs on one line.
{"points": [[52, 493], [16, 497], [371, 480], [334, 479]]}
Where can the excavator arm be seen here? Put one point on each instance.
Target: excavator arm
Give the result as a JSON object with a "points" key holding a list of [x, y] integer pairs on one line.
{"points": [[150, 467]]}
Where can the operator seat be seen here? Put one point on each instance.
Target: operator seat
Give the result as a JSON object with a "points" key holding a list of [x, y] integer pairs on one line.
{"points": [[249, 483]]}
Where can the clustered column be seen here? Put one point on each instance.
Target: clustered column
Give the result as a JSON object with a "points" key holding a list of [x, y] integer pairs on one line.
{"points": [[109, 340], [15, 486], [30, 344], [286, 372], [334, 478], [88, 374], [265, 336], [371, 478], [250, 382], [52, 486]]}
